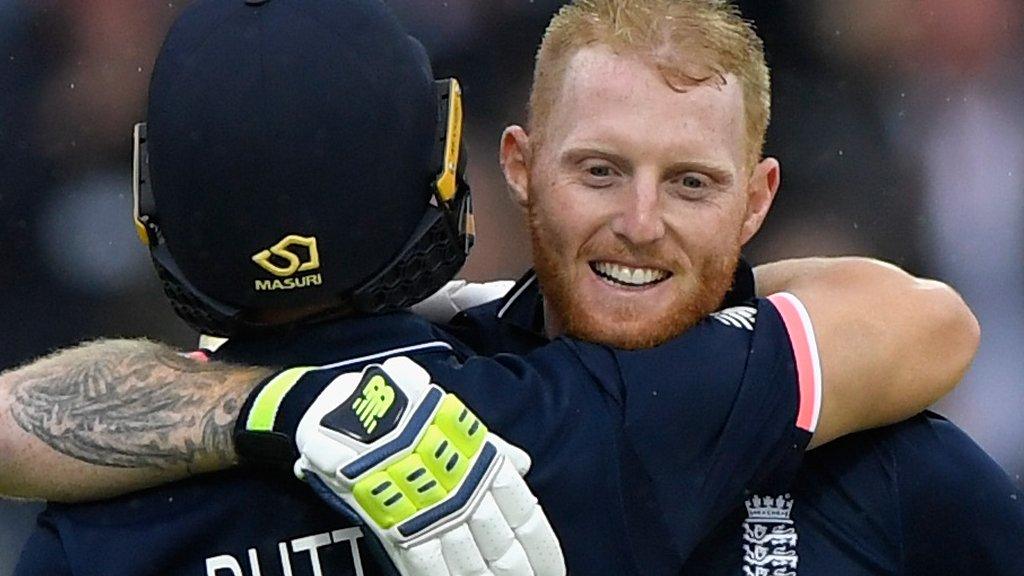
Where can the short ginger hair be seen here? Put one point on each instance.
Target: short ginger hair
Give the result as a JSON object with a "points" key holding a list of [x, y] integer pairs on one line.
{"points": [[690, 42]]}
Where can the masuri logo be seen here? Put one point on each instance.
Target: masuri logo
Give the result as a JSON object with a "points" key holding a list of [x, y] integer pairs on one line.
{"points": [[282, 253]]}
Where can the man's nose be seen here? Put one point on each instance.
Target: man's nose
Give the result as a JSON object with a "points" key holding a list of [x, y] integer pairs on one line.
{"points": [[640, 219]]}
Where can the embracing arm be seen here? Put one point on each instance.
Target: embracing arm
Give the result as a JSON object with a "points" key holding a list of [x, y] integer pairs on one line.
{"points": [[114, 416], [890, 344]]}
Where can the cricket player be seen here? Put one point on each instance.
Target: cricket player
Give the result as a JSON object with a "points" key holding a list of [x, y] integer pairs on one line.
{"points": [[919, 497], [649, 436]]}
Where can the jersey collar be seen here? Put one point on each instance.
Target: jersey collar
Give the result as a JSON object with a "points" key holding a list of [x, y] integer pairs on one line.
{"points": [[340, 338], [523, 307]]}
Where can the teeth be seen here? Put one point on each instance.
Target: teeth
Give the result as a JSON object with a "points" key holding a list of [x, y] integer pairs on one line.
{"points": [[627, 275]]}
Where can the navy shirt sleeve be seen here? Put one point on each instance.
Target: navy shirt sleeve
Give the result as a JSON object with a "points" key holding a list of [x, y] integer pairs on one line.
{"points": [[696, 420], [44, 552], [714, 413], [961, 514]]}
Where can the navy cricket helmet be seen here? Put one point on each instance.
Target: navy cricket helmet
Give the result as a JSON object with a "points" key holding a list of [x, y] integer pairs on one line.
{"points": [[298, 155]]}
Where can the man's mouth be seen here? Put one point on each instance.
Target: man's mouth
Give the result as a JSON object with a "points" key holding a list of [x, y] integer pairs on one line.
{"points": [[629, 276]]}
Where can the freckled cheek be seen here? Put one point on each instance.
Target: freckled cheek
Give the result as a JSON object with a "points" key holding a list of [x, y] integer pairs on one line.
{"points": [[687, 234], [573, 220], [710, 242], [704, 225], [557, 227]]}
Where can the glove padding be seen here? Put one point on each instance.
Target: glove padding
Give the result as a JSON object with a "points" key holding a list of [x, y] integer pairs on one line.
{"points": [[443, 495], [458, 295]]}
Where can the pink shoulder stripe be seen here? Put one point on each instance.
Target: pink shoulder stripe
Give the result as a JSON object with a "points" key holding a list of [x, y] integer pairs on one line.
{"points": [[805, 350], [198, 355]]}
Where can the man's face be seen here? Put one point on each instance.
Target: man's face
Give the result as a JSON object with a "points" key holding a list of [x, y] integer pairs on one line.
{"points": [[638, 199]]}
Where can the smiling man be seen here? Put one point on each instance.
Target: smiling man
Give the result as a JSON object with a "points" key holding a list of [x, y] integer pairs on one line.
{"points": [[640, 185], [641, 176], [641, 173]]}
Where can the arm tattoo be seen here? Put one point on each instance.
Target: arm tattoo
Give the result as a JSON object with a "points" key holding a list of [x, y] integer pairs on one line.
{"points": [[132, 404]]}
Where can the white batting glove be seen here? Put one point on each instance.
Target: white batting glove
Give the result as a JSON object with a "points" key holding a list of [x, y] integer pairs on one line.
{"points": [[457, 296], [443, 494]]}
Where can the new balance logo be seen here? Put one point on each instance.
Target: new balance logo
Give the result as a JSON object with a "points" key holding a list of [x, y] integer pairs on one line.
{"points": [[377, 398], [737, 317], [374, 408]]}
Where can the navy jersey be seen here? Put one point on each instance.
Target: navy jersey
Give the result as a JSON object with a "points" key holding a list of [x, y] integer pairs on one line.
{"points": [[635, 454], [916, 498]]}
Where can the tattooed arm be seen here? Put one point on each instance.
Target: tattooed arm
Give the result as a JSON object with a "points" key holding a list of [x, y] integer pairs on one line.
{"points": [[115, 416]]}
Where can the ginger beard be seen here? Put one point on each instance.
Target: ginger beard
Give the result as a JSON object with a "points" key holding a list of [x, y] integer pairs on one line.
{"points": [[628, 324]]}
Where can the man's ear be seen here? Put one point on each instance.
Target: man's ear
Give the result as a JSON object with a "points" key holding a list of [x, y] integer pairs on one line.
{"points": [[761, 189], [515, 163]]}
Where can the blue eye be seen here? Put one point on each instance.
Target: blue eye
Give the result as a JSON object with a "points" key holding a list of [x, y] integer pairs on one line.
{"points": [[691, 186], [692, 182], [598, 174]]}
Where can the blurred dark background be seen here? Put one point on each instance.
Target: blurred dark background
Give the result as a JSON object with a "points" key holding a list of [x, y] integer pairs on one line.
{"points": [[899, 125]]}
